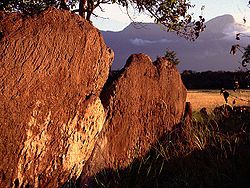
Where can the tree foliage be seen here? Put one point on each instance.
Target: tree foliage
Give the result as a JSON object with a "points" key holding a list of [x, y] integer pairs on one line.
{"points": [[215, 80], [26, 7], [171, 57], [170, 13], [246, 56], [244, 50]]}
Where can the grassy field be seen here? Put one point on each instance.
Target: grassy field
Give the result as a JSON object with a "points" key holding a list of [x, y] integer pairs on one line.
{"points": [[212, 98]]}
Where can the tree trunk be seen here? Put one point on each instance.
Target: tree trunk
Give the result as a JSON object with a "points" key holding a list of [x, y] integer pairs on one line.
{"points": [[63, 5], [82, 8], [90, 9]]}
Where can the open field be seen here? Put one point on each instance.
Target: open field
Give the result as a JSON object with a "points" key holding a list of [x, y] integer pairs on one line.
{"points": [[212, 98]]}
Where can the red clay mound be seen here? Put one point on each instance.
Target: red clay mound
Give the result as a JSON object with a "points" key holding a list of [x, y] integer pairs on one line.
{"points": [[145, 101], [52, 69]]}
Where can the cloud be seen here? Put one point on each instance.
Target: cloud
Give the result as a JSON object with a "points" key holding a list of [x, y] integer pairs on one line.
{"points": [[206, 54], [232, 29], [142, 42]]}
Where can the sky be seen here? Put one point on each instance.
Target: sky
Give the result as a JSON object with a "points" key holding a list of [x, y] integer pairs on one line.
{"points": [[115, 18]]}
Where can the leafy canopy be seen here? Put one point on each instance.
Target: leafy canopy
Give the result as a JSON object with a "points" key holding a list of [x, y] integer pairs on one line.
{"points": [[244, 50], [171, 56], [246, 56], [170, 13]]}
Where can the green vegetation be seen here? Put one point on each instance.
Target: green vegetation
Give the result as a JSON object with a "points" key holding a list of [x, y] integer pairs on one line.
{"points": [[244, 50], [170, 55], [215, 80], [246, 56], [208, 151], [33, 6]]}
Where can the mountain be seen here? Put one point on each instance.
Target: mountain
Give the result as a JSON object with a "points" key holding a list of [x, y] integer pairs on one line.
{"points": [[209, 52]]}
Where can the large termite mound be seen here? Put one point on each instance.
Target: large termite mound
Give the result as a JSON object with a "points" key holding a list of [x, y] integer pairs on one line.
{"points": [[52, 69], [56, 116], [143, 102]]}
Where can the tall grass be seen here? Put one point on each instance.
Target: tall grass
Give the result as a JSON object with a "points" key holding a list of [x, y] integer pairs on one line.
{"points": [[208, 151]]}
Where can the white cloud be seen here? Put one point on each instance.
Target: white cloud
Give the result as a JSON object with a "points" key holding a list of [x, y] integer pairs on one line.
{"points": [[234, 29], [142, 42]]}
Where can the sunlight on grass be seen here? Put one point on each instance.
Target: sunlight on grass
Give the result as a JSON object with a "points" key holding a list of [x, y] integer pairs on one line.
{"points": [[212, 98]]}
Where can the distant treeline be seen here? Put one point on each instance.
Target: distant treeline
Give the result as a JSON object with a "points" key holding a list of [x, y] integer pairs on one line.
{"points": [[215, 80]]}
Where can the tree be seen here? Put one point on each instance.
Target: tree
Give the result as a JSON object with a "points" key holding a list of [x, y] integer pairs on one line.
{"points": [[171, 57], [170, 13], [246, 56], [244, 50], [30, 7]]}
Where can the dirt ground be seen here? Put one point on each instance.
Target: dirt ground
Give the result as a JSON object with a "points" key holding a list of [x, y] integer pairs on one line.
{"points": [[212, 98]]}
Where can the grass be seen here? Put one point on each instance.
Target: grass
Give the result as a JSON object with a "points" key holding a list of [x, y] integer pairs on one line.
{"points": [[212, 98], [210, 151]]}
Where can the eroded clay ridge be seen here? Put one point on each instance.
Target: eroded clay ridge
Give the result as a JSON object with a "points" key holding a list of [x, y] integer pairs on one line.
{"points": [[144, 101], [52, 69]]}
